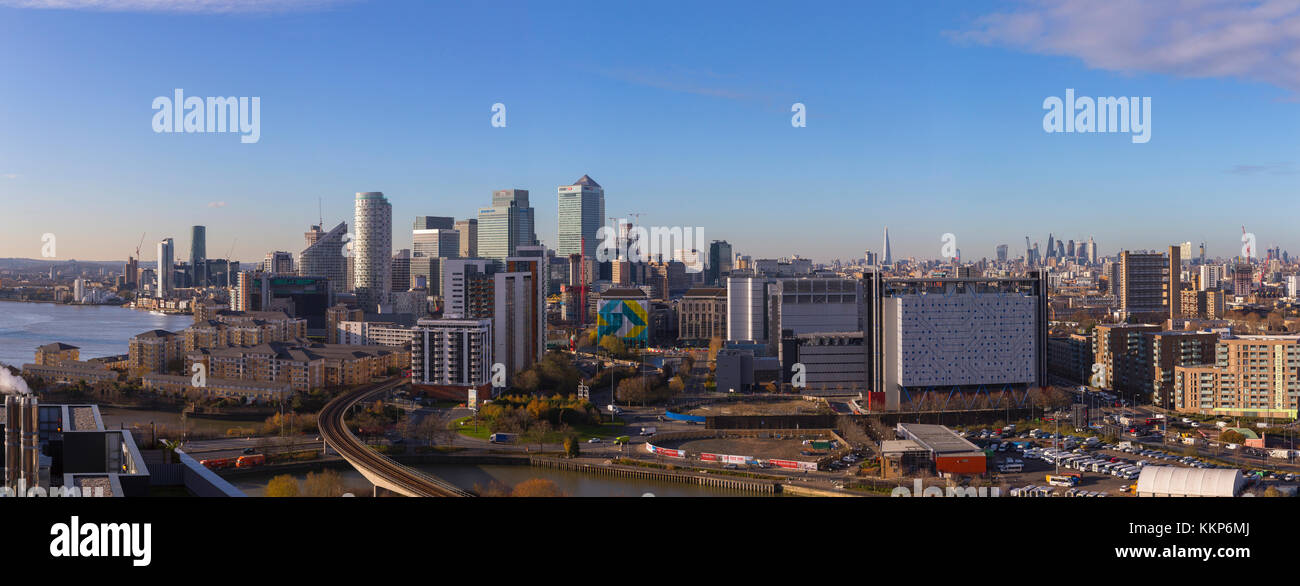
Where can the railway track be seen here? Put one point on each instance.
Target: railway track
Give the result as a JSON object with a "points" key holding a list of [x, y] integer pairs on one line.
{"points": [[404, 479]]}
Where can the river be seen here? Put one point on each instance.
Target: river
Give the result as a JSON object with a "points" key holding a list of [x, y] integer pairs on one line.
{"points": [[99, 330], [570, 483]]}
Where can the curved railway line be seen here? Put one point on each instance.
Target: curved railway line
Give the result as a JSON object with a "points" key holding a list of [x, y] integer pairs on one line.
{"points": [[380, 469]]}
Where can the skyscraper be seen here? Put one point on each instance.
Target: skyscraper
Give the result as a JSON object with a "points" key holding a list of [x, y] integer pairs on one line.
{"points": [[434, 223], [433, 243], [1002, 253], [582, 213], [166, 268], [720, 261], [323, 257], [278, 262], [468, 230], [401, 272], [373, 249], [1142, 285], [199, 255], [505, 226], [886, 253]]}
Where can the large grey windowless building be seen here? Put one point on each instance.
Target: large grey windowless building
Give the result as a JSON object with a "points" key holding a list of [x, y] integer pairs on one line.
{"points": [[372, 253]]}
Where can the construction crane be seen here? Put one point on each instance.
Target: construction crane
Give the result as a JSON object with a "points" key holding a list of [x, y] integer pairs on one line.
{"points": [[137, 246]]}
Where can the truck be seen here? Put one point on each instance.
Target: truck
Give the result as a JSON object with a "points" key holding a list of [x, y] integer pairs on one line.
{"points": [[1127, 421], [1125, 444], [501, 438], [1280, 454], [647, 431]]}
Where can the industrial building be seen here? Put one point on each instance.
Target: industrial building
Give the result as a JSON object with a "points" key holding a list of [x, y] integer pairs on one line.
{"points": [[938, 447], [65, 447], [953, 335]]}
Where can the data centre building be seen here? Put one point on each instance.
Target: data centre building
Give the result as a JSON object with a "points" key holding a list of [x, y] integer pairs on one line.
{"points": [[942, 341]]}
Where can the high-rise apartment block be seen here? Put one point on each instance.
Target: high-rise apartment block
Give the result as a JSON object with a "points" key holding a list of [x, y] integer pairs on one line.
{"points": [[373, 249]]}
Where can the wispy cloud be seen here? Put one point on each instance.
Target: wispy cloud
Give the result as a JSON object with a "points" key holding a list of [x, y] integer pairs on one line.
{"points": [[1269, 169], [216, 204], [1255, 40], [10, 175], [182, 6]]}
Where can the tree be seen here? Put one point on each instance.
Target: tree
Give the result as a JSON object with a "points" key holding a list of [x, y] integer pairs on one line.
{"points": [[571, 446], [714, 346], [537, 488], [326, 483], [614, 345], [282, 486], [1232, 436], [536, 434]]}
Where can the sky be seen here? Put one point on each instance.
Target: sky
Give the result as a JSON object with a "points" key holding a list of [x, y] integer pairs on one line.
{"points": [[926, 118]]}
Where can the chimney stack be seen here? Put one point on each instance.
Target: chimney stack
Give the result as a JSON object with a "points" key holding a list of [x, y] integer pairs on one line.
{"points": [[31, 441], [13, 423]]}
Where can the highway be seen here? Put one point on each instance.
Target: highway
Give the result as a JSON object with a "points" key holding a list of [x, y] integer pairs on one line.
{"points": [[381, 470]]}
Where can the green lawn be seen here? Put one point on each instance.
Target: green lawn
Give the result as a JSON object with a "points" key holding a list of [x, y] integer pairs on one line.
{"points": [[465, 426], [605, 430]]}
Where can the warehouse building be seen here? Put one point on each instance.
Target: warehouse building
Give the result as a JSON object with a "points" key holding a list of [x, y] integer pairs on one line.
{"points": [[1174, 481], [948, 452]]}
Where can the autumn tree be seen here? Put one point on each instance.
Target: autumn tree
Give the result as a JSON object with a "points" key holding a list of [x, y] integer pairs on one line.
{"points": [[537, 488], [326, 483], [283, 485], [614, 345], [1232, 436]]}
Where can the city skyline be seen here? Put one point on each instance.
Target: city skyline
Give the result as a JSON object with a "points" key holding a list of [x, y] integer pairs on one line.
{"points": [[897, 138]]}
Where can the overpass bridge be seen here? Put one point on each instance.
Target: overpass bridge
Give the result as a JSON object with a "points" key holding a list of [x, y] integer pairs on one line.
{"points": [[379, 469]]}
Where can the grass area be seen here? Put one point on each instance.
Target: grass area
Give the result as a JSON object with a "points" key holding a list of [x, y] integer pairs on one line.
{"points": [[605, 430], [465, 427]]}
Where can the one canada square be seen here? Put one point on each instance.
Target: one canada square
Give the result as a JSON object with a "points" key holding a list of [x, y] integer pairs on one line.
{"points": [[582, 212]]}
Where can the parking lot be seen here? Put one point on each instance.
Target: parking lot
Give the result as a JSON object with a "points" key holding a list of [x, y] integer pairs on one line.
{"points": [[1026, 460]]}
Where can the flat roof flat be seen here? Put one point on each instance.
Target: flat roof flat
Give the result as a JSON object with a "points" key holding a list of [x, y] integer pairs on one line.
{"points": [[936, 438]]}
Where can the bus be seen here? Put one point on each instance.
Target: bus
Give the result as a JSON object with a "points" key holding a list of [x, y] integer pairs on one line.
{"points": [[1011, 467], [1062, 480]]}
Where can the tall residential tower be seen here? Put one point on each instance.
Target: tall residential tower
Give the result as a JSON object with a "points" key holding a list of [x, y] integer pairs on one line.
{"points": [[373, 249]]}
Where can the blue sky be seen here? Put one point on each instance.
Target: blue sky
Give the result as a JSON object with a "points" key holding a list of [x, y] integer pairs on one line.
{"points": [[924, 117]]}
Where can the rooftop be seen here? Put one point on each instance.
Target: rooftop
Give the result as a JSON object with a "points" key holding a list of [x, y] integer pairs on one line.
{"points": [[936, 438]]}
